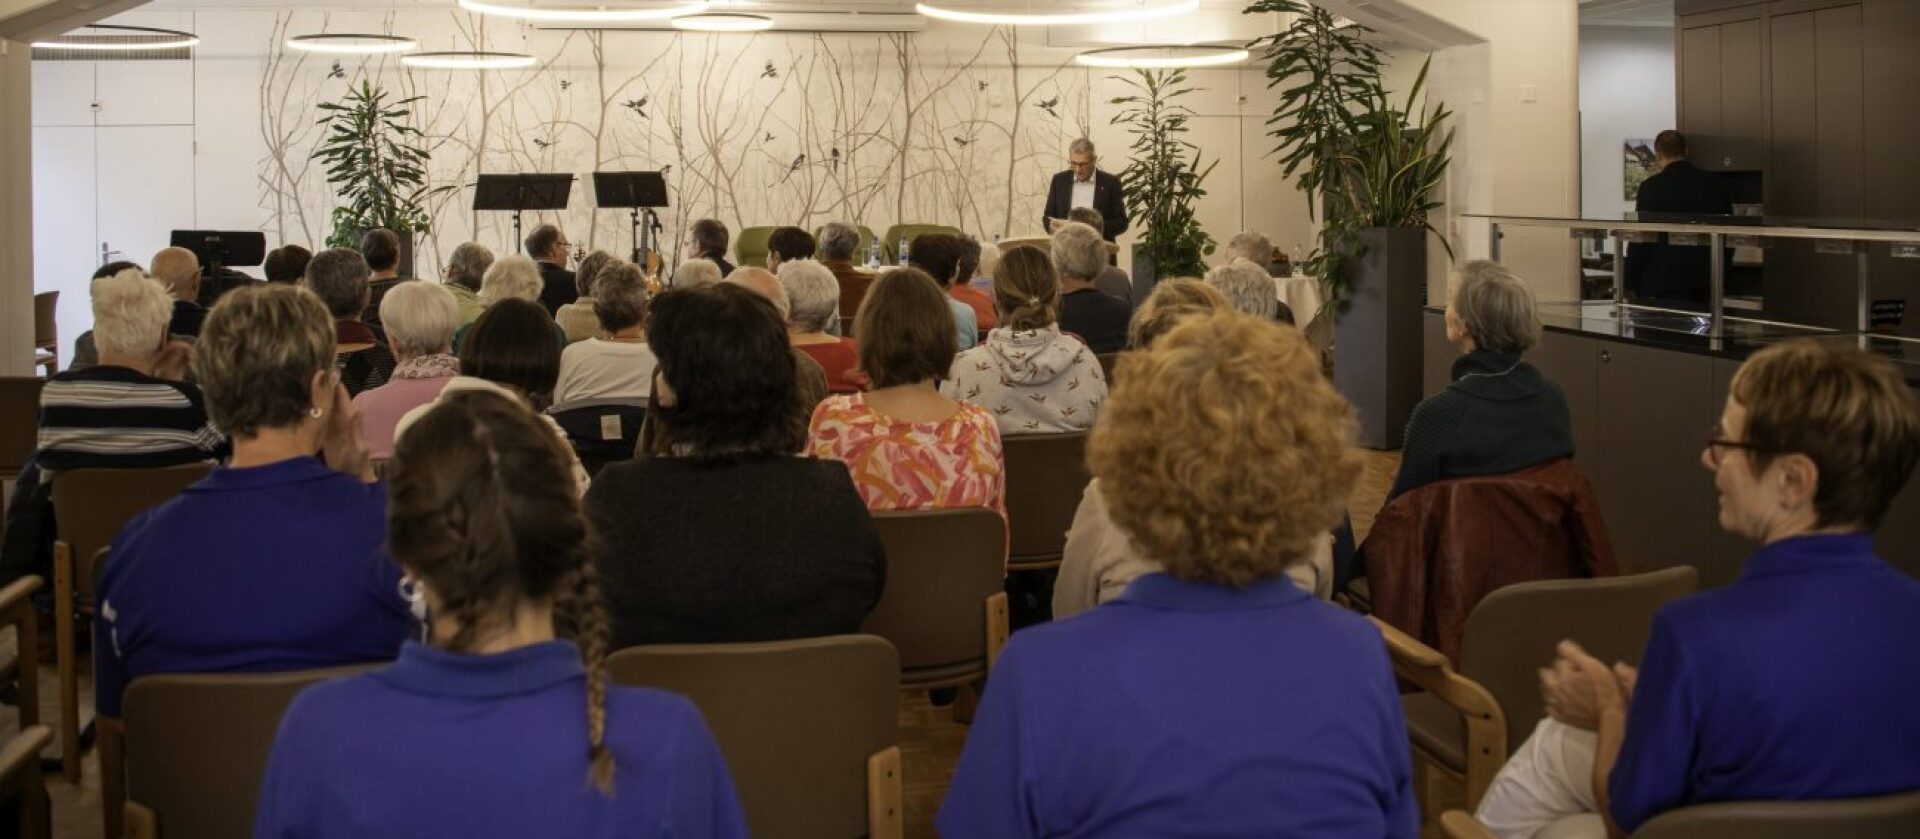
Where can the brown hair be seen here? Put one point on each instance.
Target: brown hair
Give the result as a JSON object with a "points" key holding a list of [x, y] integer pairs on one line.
{"points": [[257, 354], [1222, 451], [1026, 291], [712, 238], [939, 254], [1847, 410], [484, 513], [1171, 302], [905, 330], [513, 343]]}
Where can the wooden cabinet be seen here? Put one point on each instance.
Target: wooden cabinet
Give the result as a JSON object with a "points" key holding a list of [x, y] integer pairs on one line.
{"points": [[1436, 354], [1722, 100]]}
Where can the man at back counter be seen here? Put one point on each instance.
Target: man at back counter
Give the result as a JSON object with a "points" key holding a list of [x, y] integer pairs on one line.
{"points": [[1674, 274]]}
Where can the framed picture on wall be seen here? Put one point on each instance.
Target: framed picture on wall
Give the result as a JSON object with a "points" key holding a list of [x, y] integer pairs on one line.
{"points": [[1637, 155]]}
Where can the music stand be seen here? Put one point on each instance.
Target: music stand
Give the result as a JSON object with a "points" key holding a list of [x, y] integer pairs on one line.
{"points": [[223, 248], [633, 191], [516, 193]]}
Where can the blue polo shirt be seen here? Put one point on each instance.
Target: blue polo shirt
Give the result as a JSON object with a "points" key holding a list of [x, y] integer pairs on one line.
{"points": [[276, 567], [1799, 681], [478, 746], [1189, 709]]}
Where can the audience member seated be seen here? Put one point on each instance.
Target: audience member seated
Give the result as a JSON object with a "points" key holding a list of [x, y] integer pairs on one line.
{"points": [[1111, 279], [275, 561], [707, 239], [694, 273], [1099, 318], [762, 282], [85, 354], [551, 250], [907, 446], [1251, 289], [381, 247], [577, 318], [339, 277], [982, 281], [939, 255], [619, 366], [510, 351], [464, 272], [179, 270], [510, 278], [131, 410], [420, 319], [478, 732], [787, 244], [964, 290], [1032, 378], [729, 536], [1215, 698], [286, 264], [1251, 247], [813, 303], [838, 241], [1797, 681], [1500, 414]]}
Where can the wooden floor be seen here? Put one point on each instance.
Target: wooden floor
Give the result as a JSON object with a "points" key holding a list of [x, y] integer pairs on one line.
{"points": [[930, 739]]}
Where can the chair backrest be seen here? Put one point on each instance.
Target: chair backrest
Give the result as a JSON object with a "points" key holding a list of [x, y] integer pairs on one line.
{"points": [[91, 505], [46, 330], [1107, 362], [601, 431], [19, 421], [1512, 633], [1046, 475], [907, 233], [1895, 816], [750, 247], [197, 745], [942, 565], [797, 721]]}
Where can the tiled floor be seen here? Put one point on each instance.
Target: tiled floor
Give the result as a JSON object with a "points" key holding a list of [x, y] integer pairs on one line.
{"points": [[930, 740]]}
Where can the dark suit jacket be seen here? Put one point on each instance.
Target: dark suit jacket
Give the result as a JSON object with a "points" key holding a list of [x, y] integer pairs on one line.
{"points": [[1108, 197], [557, 288], [1676, 273]]}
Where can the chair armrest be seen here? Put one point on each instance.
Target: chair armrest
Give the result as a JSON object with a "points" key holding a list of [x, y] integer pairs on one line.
{"points": [[20, 757], [16, 594], [1486, 722], [1408, 650], [1458, 825]]}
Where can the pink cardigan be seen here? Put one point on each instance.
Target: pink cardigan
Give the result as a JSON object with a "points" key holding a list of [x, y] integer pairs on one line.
{"points": [[382, 407]]}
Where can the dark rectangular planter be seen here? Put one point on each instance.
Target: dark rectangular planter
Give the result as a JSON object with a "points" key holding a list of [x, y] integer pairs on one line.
{"points": [[1377, 337], [1144, 278]]}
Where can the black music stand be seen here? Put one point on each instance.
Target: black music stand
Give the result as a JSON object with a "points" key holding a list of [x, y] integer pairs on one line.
{"points": [[223, 248], [517, 193], [633, 191]]}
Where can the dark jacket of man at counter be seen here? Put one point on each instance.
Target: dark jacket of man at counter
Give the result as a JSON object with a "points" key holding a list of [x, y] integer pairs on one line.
{"points": [[1675, 273]]}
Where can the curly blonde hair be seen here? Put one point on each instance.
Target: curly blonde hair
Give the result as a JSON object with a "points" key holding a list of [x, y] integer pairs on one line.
{"points": [[1172, 301], [1222, 451]]}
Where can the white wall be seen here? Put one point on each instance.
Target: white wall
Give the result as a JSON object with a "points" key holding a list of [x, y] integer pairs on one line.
{"points": [[1626, 91]]}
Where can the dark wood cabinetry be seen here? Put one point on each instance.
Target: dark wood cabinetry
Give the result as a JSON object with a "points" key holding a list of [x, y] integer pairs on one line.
{"points": [[1722, 100]]}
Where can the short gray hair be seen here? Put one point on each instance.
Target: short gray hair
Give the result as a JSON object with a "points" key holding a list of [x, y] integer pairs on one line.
{"points": [[339, 277], [989, 260], [620, 296], [130, 314], [1081, 145], [1078, 251], [1249, 286], [510, 277], [1251, 247], [419, 317], [589, 270], [762, 282], [813, 295], [838, 241], [468, 264], [698, 271], [1496, 308]]}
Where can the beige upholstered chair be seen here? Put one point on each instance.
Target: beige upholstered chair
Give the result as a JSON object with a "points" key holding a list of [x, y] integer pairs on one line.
{"points": [[1895, 816], [945, 607], [1046, 475]]}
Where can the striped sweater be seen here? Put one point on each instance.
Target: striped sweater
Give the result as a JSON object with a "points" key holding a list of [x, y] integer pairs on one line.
{"points": [[116, 417]]}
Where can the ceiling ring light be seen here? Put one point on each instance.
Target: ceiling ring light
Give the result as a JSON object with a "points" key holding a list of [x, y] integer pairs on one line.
{"points": [[616, 14], [723, 22], [173, 39], [347, 43], [1144, 10], [468, 60], [1162, 56]]}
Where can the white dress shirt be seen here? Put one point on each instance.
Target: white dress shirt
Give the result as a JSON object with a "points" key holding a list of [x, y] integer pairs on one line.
{"points": [[1082, 194]]}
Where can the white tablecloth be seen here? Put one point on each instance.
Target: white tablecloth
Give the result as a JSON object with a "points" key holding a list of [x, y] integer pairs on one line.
{"points": [[1302, 295]]}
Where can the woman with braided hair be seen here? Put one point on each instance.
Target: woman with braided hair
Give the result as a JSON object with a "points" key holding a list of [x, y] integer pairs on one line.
{"points": [[502, 725]]}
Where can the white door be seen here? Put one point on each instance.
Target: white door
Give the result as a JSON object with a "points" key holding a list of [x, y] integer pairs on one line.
{"points": [[144, 187], [65, 249]]}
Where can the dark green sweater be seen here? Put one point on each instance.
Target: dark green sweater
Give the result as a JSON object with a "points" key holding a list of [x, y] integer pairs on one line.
{"points": [[1499, 415]]}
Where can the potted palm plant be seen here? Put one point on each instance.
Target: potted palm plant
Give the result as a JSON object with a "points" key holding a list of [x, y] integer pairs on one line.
{"points": [[1163, 179], [376, 166]]}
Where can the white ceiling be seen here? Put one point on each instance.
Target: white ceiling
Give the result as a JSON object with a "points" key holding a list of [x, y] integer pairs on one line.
{"points": [[1626, 12]]}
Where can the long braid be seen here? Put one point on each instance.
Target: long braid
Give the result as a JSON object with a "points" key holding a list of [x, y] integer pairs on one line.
{"points": [[584, 617]]}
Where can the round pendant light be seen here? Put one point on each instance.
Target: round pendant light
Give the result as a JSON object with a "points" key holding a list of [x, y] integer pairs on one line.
{"points": [[106, 36], [344, 43], [469, 60], [603, 14], [723, 22], [1111, 13], [1155, 57]]}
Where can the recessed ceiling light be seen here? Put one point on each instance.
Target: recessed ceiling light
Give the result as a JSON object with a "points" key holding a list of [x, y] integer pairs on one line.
{"points": [[1154, 57], [160, 39], [1143, 10], [468, 60], [352, 44], [603, 14], [723, 22]]}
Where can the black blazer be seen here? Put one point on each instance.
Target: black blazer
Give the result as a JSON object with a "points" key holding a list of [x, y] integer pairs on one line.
{"points": [[556, 286], [1109, 197], [1675, 273]]}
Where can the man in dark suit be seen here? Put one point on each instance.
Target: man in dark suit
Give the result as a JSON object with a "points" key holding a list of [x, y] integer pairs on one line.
{"points": [[549, 248], [1084, 185], [1680, 191]]}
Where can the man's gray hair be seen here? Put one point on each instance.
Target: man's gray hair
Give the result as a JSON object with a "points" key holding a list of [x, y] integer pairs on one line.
{"points": [[339, 277], [1496, 308], [620, 296], [813, 295], [838, 241], [468, 264], [1249, 246], [590, 267], [1079, 252], [130, 314], [1249, 286], [513, 276], [698, 271], [1081, 145], [419, 317]]}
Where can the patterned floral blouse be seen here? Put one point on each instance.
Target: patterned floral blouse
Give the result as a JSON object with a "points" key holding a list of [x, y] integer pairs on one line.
{"points": [[956, 462]]}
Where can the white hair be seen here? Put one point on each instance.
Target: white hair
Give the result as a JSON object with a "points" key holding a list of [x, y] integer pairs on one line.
{"points": [[130, 314], [1249, 246], [813, 295], [419, 317], [695, 272], [1249, 286], [762, 282], [989, 260], [1078, 251], [509, 277]]}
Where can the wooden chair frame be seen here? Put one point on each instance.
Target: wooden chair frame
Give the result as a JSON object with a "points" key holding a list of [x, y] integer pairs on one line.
{"points": [[16, 608], [67, 609], [886, 795], [20, 777], [113, 780], [1456, 824], [1486, 723]]}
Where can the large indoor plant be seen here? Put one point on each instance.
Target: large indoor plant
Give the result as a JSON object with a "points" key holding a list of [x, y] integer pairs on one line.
{"points": [[377, 167], [1163, 180]]}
